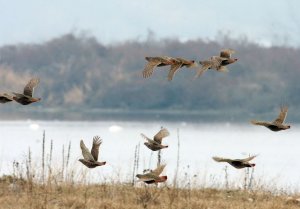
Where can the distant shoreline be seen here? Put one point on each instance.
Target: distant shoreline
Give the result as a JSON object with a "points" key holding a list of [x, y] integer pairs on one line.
{"points": [[135, 115]]}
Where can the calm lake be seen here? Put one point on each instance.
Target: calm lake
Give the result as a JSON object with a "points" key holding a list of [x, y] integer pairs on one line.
{"points": [[277, 163]]}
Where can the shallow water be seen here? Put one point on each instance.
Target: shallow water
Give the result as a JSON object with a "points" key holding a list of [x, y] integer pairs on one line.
{"points": [[277, 163]]}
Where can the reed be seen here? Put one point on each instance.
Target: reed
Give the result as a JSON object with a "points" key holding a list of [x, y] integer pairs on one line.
{"points": [[43, 157]]}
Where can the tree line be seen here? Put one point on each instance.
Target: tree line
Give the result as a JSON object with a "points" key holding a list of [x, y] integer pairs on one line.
{"points": [[80, 73]]}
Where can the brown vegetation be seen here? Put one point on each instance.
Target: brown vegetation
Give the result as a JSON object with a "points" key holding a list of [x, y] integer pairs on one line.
{"points": [[22, 194]]}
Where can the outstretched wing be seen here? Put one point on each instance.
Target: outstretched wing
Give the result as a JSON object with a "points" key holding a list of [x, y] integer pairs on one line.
{"points": [[173, 70], [28, 90], [158, 170], [5, 98], [149, 68], [282, 115], [160, 135], [205, 66], [147, 177], [145, 137], [95, 148], [248, 158], [85, 152], [220, 159], [260, 123], [226, 53]]}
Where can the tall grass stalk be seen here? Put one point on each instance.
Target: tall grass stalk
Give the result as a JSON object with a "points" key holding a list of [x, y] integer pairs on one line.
{"points": [[158, 158], [251, 178], [43, 158], [177, 161], [50, 161], [226, 177], [63, 162], [29, 171], [135, 162]]}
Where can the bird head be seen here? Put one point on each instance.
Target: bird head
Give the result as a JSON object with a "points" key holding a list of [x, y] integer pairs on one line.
{"points": [[162, 179], [102, 163], [252, 164]]}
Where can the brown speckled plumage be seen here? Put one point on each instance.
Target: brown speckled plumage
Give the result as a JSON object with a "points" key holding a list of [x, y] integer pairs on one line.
{"points": [[217, 62], [179, 63], [4, 98], [90, 159], [237, 163], [153, 175], [155, 144], [27, 96], [277, 124]]}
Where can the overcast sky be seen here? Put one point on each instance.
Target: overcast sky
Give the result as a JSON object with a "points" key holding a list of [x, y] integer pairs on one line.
{"points": [[262, 21]]}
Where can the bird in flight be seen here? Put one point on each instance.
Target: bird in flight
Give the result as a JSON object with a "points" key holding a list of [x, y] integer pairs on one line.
{"points": [[179, 63], [90, 159], [277, 124], [175, 63], [155, 143], [217, 62], [27, 96], [153, 175], [237, 163]]}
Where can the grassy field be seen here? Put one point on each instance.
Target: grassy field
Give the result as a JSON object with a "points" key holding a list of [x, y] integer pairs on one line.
{"points": [[16, 193]]}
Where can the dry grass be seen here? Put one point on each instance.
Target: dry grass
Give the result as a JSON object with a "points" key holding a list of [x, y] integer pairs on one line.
{"points": [[16, 193]]}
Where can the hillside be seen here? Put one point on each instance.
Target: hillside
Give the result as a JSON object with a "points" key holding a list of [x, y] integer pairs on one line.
{"points": [[80, 74]]}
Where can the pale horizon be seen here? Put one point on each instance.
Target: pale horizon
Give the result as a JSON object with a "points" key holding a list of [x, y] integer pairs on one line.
{"points": [[266, 23]]}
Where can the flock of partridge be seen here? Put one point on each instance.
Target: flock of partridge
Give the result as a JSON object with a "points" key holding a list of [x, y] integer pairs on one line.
{"points": [[219, 63], [215, 62]]}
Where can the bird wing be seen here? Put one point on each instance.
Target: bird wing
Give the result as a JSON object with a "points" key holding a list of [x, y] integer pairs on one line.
{"points": [[205, 66], [248, 158], [7, 96], [174, 69], [147, 177], [216, 60], [220, 159], [85, 152], [160, 135], [95, 148], [226, 53], [282, 115], [28, 90], [157, 171], [145, 137], [222, 69], [260, 123], [149, 68], [87, 163]]}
